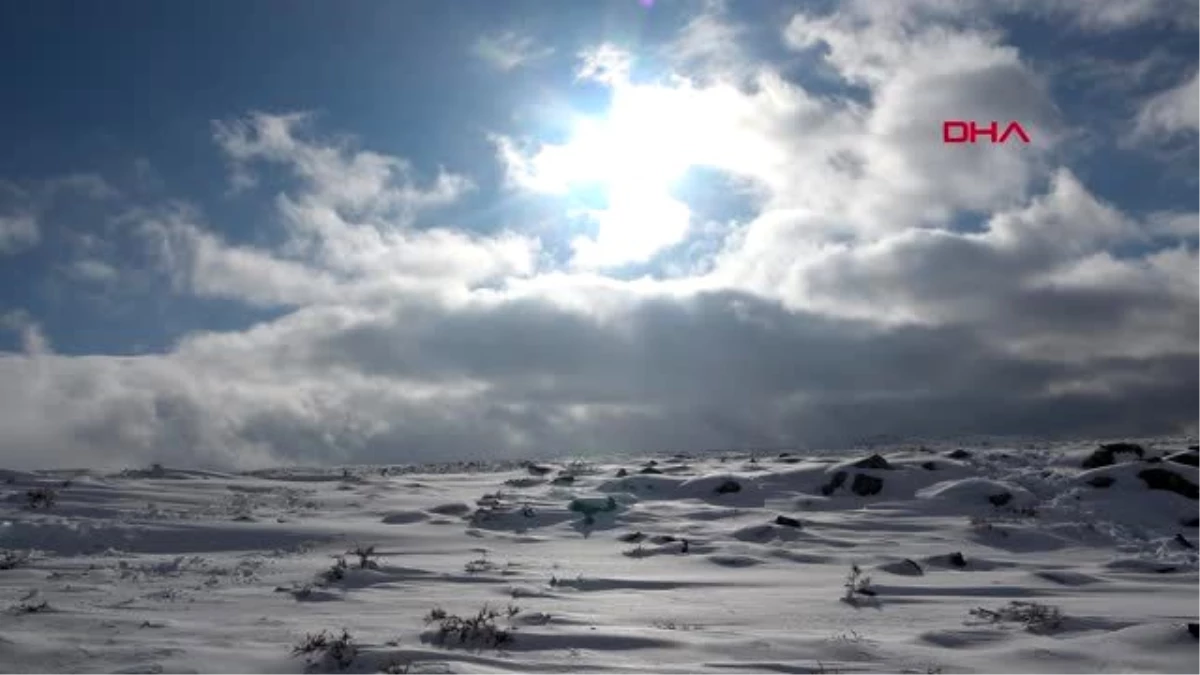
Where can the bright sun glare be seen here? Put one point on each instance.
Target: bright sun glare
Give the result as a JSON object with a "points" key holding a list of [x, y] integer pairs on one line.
{"points": [[635, 155]]}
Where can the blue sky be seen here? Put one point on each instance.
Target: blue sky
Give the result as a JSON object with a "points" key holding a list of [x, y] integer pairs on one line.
{"points": [[237, 233]]}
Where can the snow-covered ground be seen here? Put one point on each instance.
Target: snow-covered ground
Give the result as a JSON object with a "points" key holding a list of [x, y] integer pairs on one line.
{"points": [[167, 570]]}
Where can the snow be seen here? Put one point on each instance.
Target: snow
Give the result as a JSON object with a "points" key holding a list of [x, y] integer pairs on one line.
{"points": [[687, 570]]}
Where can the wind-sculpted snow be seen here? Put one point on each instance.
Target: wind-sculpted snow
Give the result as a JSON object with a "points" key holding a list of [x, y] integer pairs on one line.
{"points": [[997, 559]]}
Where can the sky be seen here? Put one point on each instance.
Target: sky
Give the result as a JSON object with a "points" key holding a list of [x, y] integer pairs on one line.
{"points": [[239, 234]]}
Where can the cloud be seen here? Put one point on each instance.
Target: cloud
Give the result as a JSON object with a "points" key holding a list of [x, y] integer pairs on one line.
{"points": [[507, 51], [1170, 112], [18, 232], [882, 283]]}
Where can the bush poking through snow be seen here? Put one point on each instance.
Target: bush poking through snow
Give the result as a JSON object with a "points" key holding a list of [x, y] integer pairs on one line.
{"points": [[857, 584], [364, 557], [11, 560], [324, 649], [335, 573], [1036, 617], [40, 498], [478, 631]]}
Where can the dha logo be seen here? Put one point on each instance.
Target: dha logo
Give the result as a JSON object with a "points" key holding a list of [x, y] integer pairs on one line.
{"points": [[963, 131]]}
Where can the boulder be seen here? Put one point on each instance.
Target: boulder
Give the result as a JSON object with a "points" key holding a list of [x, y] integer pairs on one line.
{"points": [[1188, 458], [786, 521], [729, 487], [866, 486], [1163, 479], [1000, 499], [958, 454], [873, 462], [929, 466], [1106, 455], [834, 483], [650, 471], [621, 473]]}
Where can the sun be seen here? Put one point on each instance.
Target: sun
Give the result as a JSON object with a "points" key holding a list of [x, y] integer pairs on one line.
{"points": [[634, 155]]}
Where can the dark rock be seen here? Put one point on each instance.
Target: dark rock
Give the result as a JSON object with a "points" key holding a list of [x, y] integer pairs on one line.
{"points": [[1000, 499], [536, 470], [652, 463], [1101, 481], [564, 480], [957, 559], [621, 473], [662, 539], [632, 537], [913, 564], [786, 521], [834, 483], [865, 486], [1153, 460], [1106, 455], [1190, 522], [1182, 541], [686, 546], [782, 455], [1194, 629], [1162, 479], [1188, 458], [729, 487], [791, 460], [872, 462], [650, 471], [958, 454], [929, 466]]}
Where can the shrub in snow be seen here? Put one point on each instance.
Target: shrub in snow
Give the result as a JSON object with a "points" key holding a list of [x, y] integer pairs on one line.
{"points": [[11, 560], [40, 498], [1036, 617], [478, 631], [335, 573], [364, 557], [324, 649], [857, 584]]}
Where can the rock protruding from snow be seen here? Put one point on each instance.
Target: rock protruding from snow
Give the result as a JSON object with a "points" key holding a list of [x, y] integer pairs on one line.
{"points": [[1187, 458], [1106, 455], [873, 462], [1164, 479], [866, 486]]}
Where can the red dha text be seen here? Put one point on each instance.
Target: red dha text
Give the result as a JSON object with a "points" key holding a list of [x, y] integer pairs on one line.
{"points": [[965, 131]]}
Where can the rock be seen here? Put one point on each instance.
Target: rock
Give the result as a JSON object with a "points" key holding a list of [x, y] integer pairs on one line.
{"points": [[865, 486], [957, 559], [1000, 499], [1182, 541], [621, 473], [1153, 460], [536, 470], [834, 483], [958, 454], [651, 471], [652, 463], [1188, 458], [872, 462], [790, 460], [915, 567], [1190, 522], [1194, 629], [1106, 455], [1101, 481], [632, 537], [729, 487], [662, 539], [1194, 448], [929, 466], [1162, 479], [786, 521], [564, 480]]}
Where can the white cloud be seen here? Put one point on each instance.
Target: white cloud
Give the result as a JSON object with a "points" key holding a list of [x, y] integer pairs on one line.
{"points": [[509, 50], [18, 232], [1171, 111]]}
